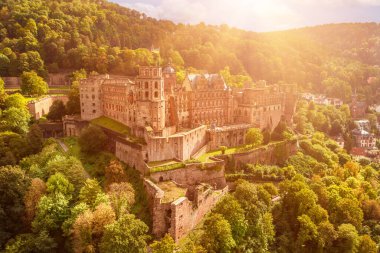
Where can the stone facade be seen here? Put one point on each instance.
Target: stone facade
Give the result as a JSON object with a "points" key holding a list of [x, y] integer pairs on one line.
{"points": [[73, 125], [41, 106]]}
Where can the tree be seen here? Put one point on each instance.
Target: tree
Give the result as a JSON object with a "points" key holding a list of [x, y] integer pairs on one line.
{"points": [[231, 210], [114, 173], [32, 243], [254, 137], [217, 235], [73, 105], [58, 184], [165, 245], [35, 191], [32, 84], [89, 192], [15, 119], [57, 111], [15, 100], [13, 147], [35, 139], [4, 64], [367, 245], [88, 228], [3, 95], [122, 197], [52, 211], [131, 234], [88, 143], [70, 167], [308, 233], [13, 186], [348, 238]]}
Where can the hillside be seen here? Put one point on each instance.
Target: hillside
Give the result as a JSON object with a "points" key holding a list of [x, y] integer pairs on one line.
{"points": [[52, 36]]}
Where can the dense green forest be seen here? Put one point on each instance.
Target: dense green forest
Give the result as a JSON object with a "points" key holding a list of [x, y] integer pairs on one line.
{"points": [[52, 36]]}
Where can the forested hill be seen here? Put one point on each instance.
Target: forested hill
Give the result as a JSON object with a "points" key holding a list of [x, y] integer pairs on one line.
{"points": [[56, 35]]}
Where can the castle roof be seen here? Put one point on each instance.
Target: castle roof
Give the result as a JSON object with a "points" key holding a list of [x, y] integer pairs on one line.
{"points": [[195, 79], [168, 70]]}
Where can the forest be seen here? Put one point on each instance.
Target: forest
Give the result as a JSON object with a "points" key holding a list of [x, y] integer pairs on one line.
{"points": [[96, 35]]}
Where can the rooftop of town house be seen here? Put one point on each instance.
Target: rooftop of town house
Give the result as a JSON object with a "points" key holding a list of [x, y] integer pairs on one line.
{"points": [[171, 191]]}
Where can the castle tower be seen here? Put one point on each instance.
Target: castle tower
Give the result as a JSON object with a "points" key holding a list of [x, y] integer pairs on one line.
{"points": [[91, 97], [150, 83], [170, 79]]}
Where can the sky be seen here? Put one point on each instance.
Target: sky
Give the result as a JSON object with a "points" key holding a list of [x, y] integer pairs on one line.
{"points": [[259, 15]]}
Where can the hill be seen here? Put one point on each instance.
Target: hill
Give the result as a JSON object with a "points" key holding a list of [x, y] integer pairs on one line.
{"points": [[52, 35]]}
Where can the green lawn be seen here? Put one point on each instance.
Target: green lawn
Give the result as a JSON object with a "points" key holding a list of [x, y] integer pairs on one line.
{"points": [[112, 125]]}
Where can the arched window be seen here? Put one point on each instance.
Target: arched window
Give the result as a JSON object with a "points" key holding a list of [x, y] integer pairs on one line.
{"points": [[156, 94], [156, 85]]}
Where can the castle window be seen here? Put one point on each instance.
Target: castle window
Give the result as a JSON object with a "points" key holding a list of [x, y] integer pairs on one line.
{"points": [[146, 85], [156, 85], [146, 94], [93, 111], [156, 94]]}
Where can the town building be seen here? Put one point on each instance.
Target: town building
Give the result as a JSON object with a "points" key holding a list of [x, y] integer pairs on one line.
{"points": [[364, 139]]}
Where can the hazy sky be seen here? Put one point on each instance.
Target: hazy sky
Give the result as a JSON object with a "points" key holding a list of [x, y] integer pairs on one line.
{"points": [[259, 15]]}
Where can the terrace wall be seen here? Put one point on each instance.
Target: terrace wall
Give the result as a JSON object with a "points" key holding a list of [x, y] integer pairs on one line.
{"points": [[181, 145], [192, 174], [132, 154], [275, 153]]}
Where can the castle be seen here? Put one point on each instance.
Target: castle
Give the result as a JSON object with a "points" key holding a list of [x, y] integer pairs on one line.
{"points": [[175, 123], [177, 120]]}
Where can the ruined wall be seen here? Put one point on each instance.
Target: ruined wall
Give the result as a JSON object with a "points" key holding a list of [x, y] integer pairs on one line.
{"points": [[59, 79], [131, 154], [186, 214], [160, 212], [38, 108], [211, 173], [230, 136], [41, 107], [11, 81], [181, 145]]}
